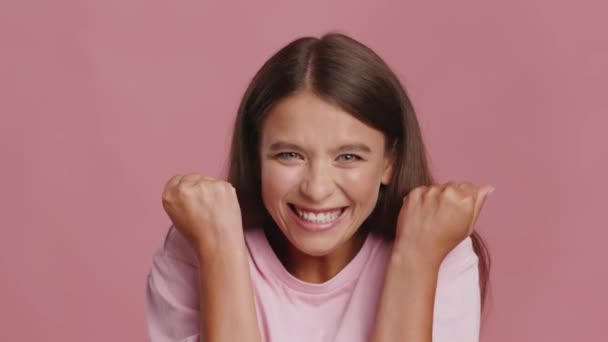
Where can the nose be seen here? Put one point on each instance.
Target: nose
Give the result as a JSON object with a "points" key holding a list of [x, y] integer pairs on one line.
{"points": [[317, 183]]}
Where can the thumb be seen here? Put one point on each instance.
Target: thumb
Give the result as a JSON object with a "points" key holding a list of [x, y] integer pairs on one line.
{"points": [[482, 195]]}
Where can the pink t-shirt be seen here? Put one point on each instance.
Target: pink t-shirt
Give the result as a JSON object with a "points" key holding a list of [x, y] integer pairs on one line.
{"points": [[288, 309]]}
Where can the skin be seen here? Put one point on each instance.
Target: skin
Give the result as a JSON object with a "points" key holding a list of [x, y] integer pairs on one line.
{"points": [[315, 155], [304, 162]]}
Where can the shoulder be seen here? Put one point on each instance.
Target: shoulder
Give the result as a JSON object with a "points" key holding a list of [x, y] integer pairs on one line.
{"points": [[175, 246], [174, 273], [172, 302]]}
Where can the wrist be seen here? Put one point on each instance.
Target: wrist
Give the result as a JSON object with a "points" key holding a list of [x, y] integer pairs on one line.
{"points": [[414, 261], [222, 249], [223, 265]]}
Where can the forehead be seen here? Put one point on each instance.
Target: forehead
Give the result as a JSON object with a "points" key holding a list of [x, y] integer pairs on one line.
{"points": [[308, 120]]}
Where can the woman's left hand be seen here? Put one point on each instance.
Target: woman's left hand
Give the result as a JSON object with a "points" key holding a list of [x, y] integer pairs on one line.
{"points": [[435, 219]]}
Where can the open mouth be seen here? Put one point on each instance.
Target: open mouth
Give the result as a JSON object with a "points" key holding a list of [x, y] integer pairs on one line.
{"points": [[323, 217]]}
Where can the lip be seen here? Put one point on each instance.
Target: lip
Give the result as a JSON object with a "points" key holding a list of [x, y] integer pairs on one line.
{"points": [[315, 227]]}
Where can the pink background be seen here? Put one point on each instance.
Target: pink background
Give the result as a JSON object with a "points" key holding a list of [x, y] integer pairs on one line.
{"points": [[102, 101]]}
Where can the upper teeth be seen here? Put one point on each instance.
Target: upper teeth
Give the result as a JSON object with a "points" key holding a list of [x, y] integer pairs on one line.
{"points": [[321, 217]]}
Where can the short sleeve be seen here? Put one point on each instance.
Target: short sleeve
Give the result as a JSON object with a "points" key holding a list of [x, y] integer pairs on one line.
{"points": [[457, 309], [172, 292]]}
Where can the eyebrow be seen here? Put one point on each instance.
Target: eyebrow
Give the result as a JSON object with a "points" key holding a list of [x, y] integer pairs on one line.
{"points": [[282, 145]]}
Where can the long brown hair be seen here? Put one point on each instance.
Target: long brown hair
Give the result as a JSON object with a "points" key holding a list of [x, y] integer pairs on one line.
{"points": [[344, 72]]}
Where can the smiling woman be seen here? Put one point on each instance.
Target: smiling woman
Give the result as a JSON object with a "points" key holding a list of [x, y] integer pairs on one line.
{"points": [[310, 238], [319, 160]]}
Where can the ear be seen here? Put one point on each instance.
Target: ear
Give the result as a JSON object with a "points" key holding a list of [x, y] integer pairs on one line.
{"points": [[387, 172]]}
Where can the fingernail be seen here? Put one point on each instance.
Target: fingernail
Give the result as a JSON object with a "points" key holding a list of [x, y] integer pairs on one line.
{"points": [[492, 189]]}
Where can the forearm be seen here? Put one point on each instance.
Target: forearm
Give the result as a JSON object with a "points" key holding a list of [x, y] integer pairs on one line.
{"points": [[227, 301], [405, 310]]}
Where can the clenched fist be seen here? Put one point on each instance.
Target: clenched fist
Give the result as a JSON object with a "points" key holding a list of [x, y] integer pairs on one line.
{"points": [[435, 219], [206, 211]]}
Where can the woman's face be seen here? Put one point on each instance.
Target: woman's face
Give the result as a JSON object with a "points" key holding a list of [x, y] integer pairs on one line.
{"points": [[321, 171]]}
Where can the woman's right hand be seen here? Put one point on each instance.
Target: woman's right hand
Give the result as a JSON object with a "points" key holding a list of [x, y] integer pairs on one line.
{"points": [[206, 211]]}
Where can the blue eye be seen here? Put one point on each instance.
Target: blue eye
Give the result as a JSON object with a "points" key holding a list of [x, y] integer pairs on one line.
{"points": [[350, 157]]}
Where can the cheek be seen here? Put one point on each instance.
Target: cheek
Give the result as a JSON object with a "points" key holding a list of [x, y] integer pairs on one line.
{"points": [[277, 181], [361, 182]]}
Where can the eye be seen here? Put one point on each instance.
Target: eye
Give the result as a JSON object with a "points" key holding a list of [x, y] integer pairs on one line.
{"points": [[288, 155], [349, 157]]}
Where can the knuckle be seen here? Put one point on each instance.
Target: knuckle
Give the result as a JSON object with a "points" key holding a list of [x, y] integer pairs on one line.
{"points": [[433, 191], [421, 189], [181, 189], [173, 181], [450, 192], [190, 177], [450, 184], [467, 186], [434, 188], [467, 202], [416, 192], [164, 197]]}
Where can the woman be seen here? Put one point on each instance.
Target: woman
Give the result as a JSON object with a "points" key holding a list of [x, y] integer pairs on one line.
{"points": [[329, 226]]}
